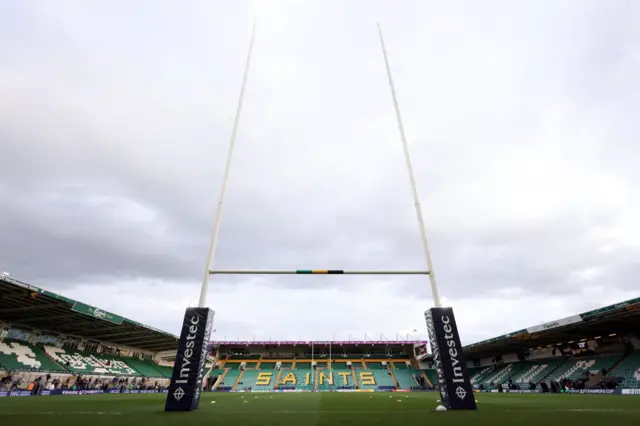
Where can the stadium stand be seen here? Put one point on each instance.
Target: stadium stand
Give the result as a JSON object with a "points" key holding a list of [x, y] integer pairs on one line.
{"points": [[247, 380], [381, 378], [75, 344], [628, 371], [89, 363], [147, 368], [503, 373], [405, 378], [297, 379], [585, 352], [536, 371], [23, 356], [576, 368], [336, 379], [267, 365], [229, 379], [432, 375]]}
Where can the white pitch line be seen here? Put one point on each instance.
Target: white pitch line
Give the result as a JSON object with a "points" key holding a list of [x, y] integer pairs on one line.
{"points": [[64, 413], [577, 410], [222, 411]]}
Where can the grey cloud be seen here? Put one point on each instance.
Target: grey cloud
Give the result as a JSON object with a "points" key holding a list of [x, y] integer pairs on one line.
{"points": [[141, 117]]}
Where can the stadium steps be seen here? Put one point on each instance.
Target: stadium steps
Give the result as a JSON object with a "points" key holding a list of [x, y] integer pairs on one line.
{"points": [[315, 375], [60, 367], [574, 368], [620, 361], [628, 369], [395, 379], [275, 385], [426, 378], [405, 379], [235, 385], [536, 370], [229, 380], [355, 377], [504, 373], [221, 378], [482, 374], [594, 381], [248, 379]]}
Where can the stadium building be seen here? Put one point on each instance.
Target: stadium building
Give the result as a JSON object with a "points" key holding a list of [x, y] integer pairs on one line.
{"points": [[50, 344]]}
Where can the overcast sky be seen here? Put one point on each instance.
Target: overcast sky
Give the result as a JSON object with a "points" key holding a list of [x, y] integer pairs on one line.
{"points": [[115, 118]]}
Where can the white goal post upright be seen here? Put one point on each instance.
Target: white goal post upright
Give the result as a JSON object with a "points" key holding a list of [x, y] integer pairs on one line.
{"points": [[412, 179], [227, 167]]}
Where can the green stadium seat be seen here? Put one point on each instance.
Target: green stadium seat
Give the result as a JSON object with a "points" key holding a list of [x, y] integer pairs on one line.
{"points": [[297, 379], [432, 375], [575, 368], [145, 368], [535, 371], [215, 373], [90, 363], [331, 379], [478, 374], [15, 355], [381, 377], [248, 379], [267, 365], [405, 378], [166, 371], [230, 379], [502, 373], [629, 371]]}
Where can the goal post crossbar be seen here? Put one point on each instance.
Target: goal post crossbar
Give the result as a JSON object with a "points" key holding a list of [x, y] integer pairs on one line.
{"points": [[314, 272]]}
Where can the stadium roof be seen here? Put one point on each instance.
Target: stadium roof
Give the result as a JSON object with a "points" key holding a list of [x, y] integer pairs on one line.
{"points": [[27, 306], [620, 318]]}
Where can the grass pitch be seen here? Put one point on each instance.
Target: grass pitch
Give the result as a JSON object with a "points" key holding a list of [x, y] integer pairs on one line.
{"points": [[353, 409]]}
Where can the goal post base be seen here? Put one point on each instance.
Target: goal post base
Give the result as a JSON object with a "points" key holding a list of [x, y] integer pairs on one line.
{"points": [[453, 377], [188, 369]]}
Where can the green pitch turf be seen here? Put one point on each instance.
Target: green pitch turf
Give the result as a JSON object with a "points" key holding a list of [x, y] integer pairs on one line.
{"points": [[353, 409]]}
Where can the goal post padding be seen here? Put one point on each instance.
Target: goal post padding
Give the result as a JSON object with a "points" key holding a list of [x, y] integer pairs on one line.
{"points": [[188, 371], [453, 377]]}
